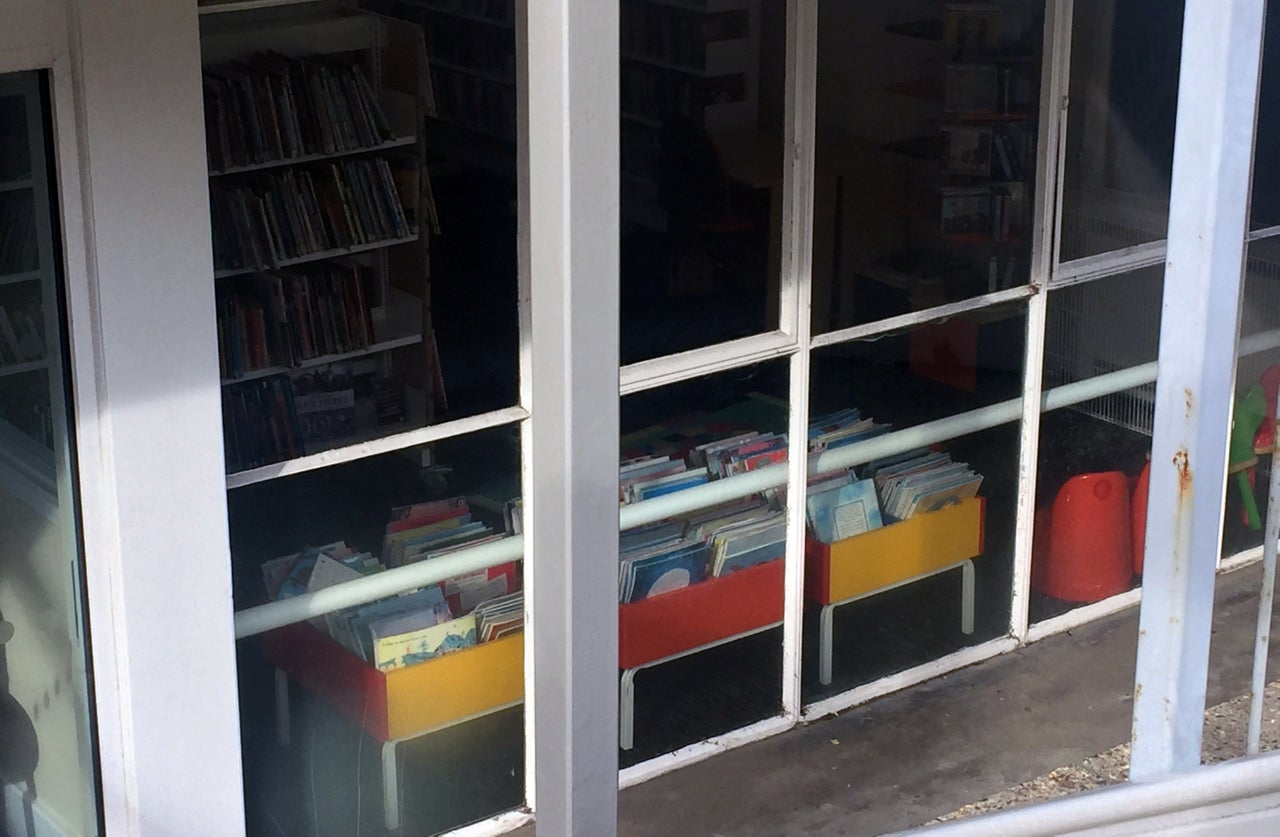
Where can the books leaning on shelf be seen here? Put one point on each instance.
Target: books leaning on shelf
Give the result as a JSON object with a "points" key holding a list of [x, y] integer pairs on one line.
{"points": [[284, 318], [275, 217], [21, 333], [18, 239], [272, 108], [418, 625]]}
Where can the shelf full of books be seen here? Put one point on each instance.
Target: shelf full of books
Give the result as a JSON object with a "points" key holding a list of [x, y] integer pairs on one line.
{"points": [[321, 211], [978, 135], [28, 296]]}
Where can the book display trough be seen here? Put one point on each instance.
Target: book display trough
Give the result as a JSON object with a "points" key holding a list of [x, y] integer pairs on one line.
{"points": [[28, 301], [321, 214]]}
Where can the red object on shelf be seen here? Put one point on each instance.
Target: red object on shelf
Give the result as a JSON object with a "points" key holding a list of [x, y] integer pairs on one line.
{"points": [[1085, 549], [946, 352], [1138, 517], [699, 614]]}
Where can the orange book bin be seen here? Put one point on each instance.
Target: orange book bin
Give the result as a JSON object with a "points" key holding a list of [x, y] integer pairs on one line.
{"points": [[1138, 517], [700, 614], [396, 704], [894, 553], [1084, 550]]}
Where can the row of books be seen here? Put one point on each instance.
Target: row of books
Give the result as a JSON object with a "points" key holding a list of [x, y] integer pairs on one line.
{"points": [[24, 406], [21, 333], [997, 211], [982, 88], [419, 625], [979, 151], [18, 242], [287, 317], [304, 211], [280, 417], [271, 107]]}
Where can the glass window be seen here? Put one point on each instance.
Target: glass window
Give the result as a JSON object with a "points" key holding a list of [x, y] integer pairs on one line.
{"points": [[1257, 381], [404, 710], [363, 185], [700, 592], [1122, 105], [701, 160], [362, 189], [46, 721], [1091, 478], [926, 155], [917, 558]]}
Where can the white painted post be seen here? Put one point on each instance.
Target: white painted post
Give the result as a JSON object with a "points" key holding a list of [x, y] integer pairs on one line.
{"points": [[1209, 204], [572, 532], [141, 297]]}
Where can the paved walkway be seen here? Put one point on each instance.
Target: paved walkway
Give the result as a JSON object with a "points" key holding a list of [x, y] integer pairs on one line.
{"points": [[912, 757]]}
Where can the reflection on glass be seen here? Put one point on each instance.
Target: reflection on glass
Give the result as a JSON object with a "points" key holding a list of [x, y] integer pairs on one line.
{"points": [[1265, 199], [927, 153], [1123, 100], [1091, 477], [700, 592], [910, 537], [400, 713], [1257, 380], [701, 159], [362, 191], [47, 774]]}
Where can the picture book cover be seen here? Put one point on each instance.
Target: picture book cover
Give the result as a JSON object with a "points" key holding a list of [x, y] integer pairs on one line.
{"points": [[394, 652]]}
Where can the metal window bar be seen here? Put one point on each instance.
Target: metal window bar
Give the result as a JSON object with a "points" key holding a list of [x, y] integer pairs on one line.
{"points": [[1262, 635], [262, 618]]}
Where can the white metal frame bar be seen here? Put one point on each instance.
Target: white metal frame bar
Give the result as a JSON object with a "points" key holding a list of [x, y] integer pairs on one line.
{"points": [[574, 223], [797, 257], [1208, 221]]}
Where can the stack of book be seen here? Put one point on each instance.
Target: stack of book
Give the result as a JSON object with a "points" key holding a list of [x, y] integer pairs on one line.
{"points": [[283, 319], [421, 624], [842, 504], [711, 542], [921, 482], [304, 211], [275, 108]]}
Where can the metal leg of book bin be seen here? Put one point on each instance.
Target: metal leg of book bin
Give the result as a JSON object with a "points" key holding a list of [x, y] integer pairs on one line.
{"points": [[627, 686], [390, 764], [826, 617]]}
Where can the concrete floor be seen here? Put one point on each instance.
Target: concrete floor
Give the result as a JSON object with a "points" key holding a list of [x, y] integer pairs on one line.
{"points": [[908, 758]]}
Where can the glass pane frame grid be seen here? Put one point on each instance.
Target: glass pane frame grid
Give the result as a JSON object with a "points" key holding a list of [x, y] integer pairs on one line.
{"points": [[798, 343], [794, 341]]}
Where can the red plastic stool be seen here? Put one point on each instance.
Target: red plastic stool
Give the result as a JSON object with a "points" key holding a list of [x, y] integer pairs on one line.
{"points": [[1138, 517], [1089, 554]]}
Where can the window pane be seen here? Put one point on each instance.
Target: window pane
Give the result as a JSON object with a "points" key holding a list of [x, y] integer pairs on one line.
{"points": [[700, 592], [927, 153], [1265, 199], [895, 596], [362, 186], [701, 159], [450, 768], [47, 770], [1090, 493], [1257, 380], [1123, 101]]}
